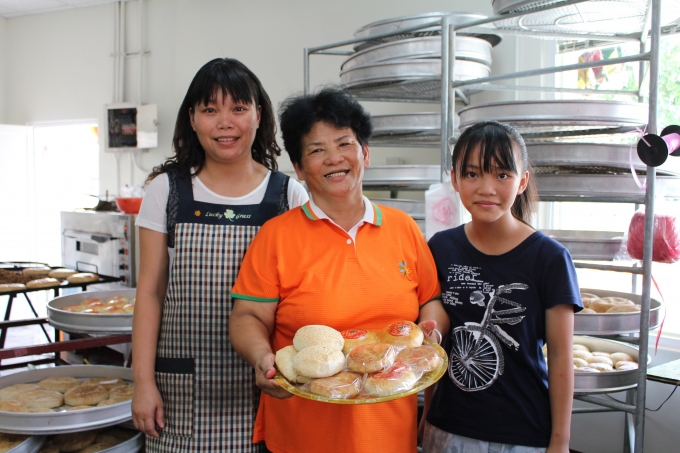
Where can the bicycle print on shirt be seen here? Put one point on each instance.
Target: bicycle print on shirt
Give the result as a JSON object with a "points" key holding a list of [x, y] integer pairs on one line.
{"points": [[476, 354]]}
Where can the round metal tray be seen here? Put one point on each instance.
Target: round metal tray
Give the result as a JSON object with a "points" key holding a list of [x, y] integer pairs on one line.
{"points": [[401, 175], [615, 323], [606, 188], [398, 23], [612, 381], [593, 155], [588, 245], [65, 421], [467, 48], [395, 71], [414, 208], [89, 323], [30, 445], [557, 116]]}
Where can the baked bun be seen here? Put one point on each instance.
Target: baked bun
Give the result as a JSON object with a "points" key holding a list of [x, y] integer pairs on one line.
{"points": [[49, 448], [587, 369], [74, 308], [599, 359], [580, 347], [319, 361], [114, 436], [586, 311], [83, 277], [79, 408], [357, 337], [603, 367], [43, 283], [421, 359], [112, 311], [12, 406], [616, 357], [624, 309], [626, 365], [41, 398], [39, 410], [41, 271], [59, 383], [96, 447], [124, 391], [578, 362], [129, 308], [9, 287], [9, 441], [74, 441], [107, 382], [587, 298], [402, 333], [85, 395], [371, 357], [61, 273], [284, 362], [92, 301], [396, 379], [618, 300], [581, 354], [316, 334], [342, 385], [13, 391]]}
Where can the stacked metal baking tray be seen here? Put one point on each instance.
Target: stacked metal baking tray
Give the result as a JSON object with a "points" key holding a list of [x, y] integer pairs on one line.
{"points": [[616, 323], [409, 129], [95, 323], [405, 177], [414, 208]]}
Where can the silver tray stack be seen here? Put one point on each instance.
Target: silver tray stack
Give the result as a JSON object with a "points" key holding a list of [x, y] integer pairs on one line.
{"points": [[89, 323], [616, 323]]}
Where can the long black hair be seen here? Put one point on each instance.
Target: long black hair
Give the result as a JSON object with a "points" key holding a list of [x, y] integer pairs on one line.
{"points": [[233, 78], [498, 144]]}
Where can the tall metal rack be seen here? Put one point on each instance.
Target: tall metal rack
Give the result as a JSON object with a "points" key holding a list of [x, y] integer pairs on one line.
{"points": [[449, 90]]}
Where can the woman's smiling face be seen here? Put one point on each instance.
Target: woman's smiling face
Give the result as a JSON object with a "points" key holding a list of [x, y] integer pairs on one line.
{"points": [[333, 161]]}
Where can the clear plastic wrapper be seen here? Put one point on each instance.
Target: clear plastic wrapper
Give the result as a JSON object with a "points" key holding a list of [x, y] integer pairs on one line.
{"points": [[396, 379], [371, 357], [421, 359], [343, 385]]}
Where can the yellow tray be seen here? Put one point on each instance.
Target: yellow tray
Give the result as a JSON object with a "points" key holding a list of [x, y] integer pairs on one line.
{"points": [[425, 381]]}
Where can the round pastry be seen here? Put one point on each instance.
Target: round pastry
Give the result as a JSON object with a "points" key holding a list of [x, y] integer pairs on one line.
{"points": [[624, 309], [587, 298], [603, 367], [74, 441], [580, 347], [586, 369], [616, 357], [356, 337], [83, 277], [586, 311], [41, 398], [396, 379], [61, 273], [115, 433], [39, 410], [59, 383], [41, 271], [319, 361], [618, 300], [625, 365], [112, 310], [125, 391], [95, 306], [578, 363], [92, 300], [129, 308], [581, 354], [43, 283], [422, 359], [107, 382], [49, 448], [79, 408], [85, 395], [9, 287], [342, 385], [402, 333], [9, 441], [13, 391], [371, 357], [284, 362], [599, 359], [316, 334], [96, 447], [120, 303], [600, 306], [74, 308], [111, 401], [12, 406], [600, 353]]}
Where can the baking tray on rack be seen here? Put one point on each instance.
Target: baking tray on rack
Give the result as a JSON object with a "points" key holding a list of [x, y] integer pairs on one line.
{"points": [[89, 323], [399, 23], [395, 71], [467, 48], [558, 116], [612, 381], [588, 245], [31, 445], [409, 124], [414, 208], [65, 421], [401, 175], [606, 188], [616, 323]]}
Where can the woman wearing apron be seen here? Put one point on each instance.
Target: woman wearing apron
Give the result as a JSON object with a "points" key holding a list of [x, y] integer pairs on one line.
{"points": [[202, 208]]}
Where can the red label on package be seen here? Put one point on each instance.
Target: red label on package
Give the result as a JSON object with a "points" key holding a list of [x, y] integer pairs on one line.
{"points": [[399, 329], [354, 334]]}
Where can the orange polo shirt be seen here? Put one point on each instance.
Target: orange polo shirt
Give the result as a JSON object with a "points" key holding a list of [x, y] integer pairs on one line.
{"points": [[318, 274]]}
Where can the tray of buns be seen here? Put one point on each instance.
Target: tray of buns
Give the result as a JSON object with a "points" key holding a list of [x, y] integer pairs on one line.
{"points": [[65, 399], [613, 312], [359, 366], [20, 443], [114, 439], [588, 245], [104, 312], [24, 277]]}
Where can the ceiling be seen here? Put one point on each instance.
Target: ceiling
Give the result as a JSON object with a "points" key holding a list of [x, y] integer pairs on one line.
{"points": [[16, 8]]}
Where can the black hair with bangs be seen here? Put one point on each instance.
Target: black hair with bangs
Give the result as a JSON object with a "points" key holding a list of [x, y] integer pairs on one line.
{"points": [[499, 144], [232, 78], [335, 106]]}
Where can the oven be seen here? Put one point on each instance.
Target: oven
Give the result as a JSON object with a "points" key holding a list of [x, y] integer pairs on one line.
{"points": [[105, 243]]}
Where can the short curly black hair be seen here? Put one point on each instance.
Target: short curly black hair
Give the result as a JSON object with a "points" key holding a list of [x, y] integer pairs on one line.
{"points": [[335, 106]]}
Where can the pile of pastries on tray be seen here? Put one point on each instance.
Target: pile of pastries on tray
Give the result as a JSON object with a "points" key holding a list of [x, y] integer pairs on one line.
{"points": [[42, 277], [64, 393], [593, 303], [357, 362], [587, 361], [87, 441], [117, 305]]}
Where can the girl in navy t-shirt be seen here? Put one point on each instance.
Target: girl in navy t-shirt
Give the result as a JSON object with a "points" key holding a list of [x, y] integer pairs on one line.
{"points": [[508, 290]]}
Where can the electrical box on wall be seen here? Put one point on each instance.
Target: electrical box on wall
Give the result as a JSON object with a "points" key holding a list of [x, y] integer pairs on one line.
{"points": [[129, 126]]}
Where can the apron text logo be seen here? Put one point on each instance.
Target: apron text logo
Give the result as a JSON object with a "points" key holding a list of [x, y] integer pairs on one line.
{"points": [[228, 214]]}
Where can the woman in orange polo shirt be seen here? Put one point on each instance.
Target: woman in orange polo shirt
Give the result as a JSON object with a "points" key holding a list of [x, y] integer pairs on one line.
{"points": [[340, 261]]}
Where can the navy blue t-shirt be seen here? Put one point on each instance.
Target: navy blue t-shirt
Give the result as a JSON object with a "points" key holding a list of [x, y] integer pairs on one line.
{"points": [[496, 388]]}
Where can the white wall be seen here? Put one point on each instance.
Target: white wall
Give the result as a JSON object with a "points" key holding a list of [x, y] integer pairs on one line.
{"points": [[3, 65]]}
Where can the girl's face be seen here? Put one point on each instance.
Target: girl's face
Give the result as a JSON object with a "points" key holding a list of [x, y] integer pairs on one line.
{"points": [[225, 128], [488, 196]]}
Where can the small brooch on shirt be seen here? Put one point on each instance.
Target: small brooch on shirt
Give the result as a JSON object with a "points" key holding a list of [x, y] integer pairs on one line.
{"points": [[197, 213], [404, 269]]}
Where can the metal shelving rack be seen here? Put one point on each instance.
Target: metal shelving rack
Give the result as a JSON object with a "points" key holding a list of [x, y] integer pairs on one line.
{"points": [[429, 90]]}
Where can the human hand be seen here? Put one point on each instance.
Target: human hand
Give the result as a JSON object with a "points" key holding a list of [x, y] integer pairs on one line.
{"points": [[147, 409], [429, 328], [264, 378]]}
